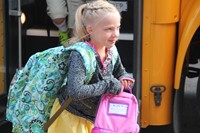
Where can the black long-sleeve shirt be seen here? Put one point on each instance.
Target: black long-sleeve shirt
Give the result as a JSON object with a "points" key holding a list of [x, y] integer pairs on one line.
{"points": [[86, 96]]}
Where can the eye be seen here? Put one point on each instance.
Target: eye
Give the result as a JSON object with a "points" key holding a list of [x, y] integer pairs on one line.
{"points": [[109, 29], [118, 28]]}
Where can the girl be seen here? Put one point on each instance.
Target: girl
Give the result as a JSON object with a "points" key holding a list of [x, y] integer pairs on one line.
{"points": [[97, 24]]}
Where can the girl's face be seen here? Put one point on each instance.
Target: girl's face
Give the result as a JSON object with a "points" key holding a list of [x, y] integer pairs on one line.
{"points": [[106, 31]]}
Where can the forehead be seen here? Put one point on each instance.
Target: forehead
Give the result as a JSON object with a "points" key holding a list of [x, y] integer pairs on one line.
{"points": [[110, 18]]}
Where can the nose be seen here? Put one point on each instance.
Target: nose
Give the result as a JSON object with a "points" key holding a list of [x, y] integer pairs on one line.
{"points": [[115, 33]]}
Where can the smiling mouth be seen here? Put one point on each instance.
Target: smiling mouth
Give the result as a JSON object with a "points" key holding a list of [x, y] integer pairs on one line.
{"points": [[112, 41]]}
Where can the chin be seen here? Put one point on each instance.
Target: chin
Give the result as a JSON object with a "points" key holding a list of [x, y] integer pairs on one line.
{"points": [[110, 46]]}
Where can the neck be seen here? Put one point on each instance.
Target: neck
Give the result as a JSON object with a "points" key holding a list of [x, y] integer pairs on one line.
{"points": [[100, 50]]}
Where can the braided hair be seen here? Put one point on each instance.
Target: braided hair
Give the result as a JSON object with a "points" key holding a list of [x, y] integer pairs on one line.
{"points": [[90, 13]]}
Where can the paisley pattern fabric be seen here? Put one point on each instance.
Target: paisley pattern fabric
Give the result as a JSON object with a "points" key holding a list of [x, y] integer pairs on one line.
{"points": [[33, 89]]}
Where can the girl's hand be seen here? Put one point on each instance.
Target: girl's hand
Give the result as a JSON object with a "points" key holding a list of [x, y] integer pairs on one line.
{"points": [[126, 82], [115, 86]]}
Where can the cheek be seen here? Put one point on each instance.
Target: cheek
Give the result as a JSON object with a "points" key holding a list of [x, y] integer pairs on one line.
{"points": [[102, 35], [107, 34]]}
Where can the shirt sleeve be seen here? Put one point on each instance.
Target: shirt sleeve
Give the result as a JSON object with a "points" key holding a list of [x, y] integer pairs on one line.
{"points": [[119, 71], [75, 86]]}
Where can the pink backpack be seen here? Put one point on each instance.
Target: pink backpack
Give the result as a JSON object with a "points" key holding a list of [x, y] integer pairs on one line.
{"points": [[117, 114]]}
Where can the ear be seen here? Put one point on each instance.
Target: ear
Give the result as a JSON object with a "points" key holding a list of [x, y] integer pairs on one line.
{"points": [[89, 29]]}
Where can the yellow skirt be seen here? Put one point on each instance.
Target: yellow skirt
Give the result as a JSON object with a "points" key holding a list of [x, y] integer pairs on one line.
{"points": [[68, 123]]}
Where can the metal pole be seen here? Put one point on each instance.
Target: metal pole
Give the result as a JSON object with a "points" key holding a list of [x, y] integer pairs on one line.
{"points": [[19, 35], [137, 63]]}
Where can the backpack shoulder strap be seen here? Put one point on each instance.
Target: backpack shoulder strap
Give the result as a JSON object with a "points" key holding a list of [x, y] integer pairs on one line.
{"points": [[88, 55]]}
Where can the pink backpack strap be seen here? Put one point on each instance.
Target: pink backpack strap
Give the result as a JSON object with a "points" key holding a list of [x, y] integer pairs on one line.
{"points": [[129, 89]]}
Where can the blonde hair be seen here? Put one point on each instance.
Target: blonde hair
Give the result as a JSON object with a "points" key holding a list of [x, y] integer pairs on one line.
{"points": [[90, 13]]}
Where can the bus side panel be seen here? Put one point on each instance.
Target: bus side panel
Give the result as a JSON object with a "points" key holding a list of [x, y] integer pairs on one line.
{"points": [[189, 23], [158, 57]]}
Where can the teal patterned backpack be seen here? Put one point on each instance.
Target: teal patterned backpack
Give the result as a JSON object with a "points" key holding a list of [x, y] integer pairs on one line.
{"points": [[33, 89]]}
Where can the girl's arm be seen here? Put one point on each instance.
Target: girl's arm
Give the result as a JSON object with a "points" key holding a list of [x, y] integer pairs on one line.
{"points": [[120, 73], [75, 86]]}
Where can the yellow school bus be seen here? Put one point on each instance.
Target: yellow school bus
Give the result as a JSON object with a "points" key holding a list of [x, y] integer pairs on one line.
{"points": [[159, 44]]}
